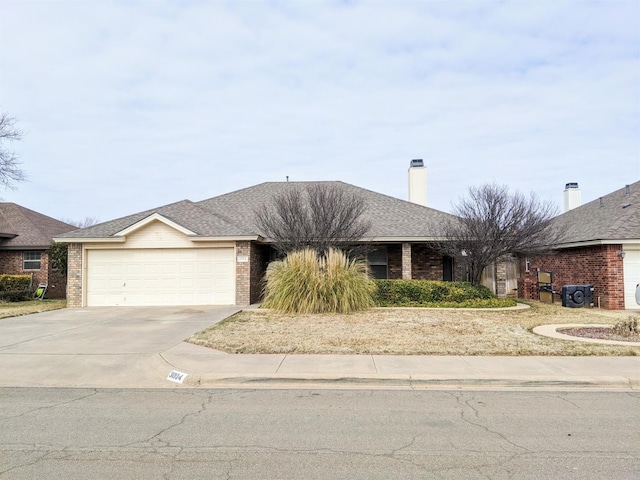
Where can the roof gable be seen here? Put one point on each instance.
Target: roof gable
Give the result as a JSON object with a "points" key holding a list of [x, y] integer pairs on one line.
{"points": [[154, 217], [25, 228], [184, 216]]}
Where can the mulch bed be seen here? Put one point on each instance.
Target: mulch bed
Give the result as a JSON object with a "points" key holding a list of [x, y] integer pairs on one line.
{"points": [[600, 333]]}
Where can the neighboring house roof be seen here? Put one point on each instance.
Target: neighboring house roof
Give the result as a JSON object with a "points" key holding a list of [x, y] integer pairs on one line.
{"points": [[22, 228], [232, 215], [613, 218]]}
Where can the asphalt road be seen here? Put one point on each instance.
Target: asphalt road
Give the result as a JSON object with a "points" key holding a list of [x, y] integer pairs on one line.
{"points": [[187, 433]]}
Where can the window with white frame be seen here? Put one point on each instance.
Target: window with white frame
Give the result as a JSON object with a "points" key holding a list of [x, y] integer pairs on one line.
{"points": [[31, 260]]}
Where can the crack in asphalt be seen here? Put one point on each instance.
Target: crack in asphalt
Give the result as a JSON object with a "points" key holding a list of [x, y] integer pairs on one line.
{"points": [[470, 412], [94, 391], [561, 396], [463, 417], [23, 465]]}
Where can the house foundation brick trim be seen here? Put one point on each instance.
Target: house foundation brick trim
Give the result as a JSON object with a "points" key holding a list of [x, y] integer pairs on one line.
{"points": [[74, 276], [406, 261]]}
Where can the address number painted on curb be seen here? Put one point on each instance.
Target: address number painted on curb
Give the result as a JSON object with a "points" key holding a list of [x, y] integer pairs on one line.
{"points": [[176, 376]]}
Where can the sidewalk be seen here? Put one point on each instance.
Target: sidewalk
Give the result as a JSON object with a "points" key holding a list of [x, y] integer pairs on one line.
{"points": [[137, 347], [210, 368]]}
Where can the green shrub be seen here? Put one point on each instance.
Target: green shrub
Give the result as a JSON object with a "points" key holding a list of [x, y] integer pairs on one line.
{"points": [[9, 283], [427, 293], [305, 282], [15, 288], [16, 296]]}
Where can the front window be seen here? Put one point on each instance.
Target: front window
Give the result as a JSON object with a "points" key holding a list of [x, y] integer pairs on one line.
{"points": [[31, 260], [377, 260]]}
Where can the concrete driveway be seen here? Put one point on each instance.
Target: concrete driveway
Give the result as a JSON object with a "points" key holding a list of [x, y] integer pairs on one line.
{"points": [[107, 346], [137, 348]]}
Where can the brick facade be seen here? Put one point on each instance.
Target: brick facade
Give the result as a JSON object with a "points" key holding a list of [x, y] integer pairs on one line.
{"points": [[600, 266], [249, 275], [406, 261], [11, 263], [394, 261], [426, 263], [74, 276], [243, 273]]}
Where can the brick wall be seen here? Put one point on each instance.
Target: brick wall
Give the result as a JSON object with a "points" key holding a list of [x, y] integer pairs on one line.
{"points": [[57, 281], [406, 261], [243, 273], [249, 275], [426, 263], [394, 261], [260, 255], [74, 276], [11, 263], [599, 266]]}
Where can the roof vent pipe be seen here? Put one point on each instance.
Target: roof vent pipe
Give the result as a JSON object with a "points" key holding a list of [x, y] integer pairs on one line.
{"points": [[627, 189]]}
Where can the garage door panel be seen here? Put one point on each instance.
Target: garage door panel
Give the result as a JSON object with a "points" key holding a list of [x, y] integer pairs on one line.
{"points": [[161, 277], [631, 277]]}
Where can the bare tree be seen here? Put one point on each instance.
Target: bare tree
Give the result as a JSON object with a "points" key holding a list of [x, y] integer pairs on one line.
{"points": [[10, 171], [492, 223], [84, 223], [318, 216]]}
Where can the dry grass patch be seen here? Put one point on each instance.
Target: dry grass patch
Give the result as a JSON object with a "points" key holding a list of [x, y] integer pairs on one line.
{"points": [[414, 331], [17, 309]]}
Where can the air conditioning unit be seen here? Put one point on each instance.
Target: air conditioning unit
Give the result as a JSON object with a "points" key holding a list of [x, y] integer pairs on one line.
{"points": [[577, 296]]}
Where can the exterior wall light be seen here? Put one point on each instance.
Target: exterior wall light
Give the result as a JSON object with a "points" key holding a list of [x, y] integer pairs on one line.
{"points": [[621, 254]]}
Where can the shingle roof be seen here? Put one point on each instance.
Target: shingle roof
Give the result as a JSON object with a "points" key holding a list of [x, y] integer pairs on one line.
{"points": [[232, 214], [24, 228], [184, 213], [390, 217], [613, 217]]}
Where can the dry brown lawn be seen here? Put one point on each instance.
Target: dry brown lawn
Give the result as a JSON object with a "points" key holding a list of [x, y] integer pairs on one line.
{"points": [[410, 331], [17, 309]]}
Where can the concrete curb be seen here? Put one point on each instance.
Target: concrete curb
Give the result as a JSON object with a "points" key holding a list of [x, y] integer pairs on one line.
{"points": [[551, 331], [406, 382]]}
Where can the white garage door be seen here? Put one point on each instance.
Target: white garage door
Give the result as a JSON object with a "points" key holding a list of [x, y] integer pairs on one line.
{"points": [[631, 278], [198, 276]]}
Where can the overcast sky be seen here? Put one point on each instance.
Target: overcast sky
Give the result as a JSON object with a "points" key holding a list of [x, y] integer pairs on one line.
{"points": [[130, 105]]}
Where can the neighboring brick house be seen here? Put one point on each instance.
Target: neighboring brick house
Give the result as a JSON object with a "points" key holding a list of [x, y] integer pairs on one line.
{"points": [[601, 247], [211, 252], [25, 237]]}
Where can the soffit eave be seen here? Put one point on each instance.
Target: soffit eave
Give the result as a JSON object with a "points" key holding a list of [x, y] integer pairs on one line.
{"points": [[89, 240], [595, 243]]}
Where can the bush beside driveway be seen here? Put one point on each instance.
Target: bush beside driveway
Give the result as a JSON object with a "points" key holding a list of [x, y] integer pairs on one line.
{"points": [[410, 331]]}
